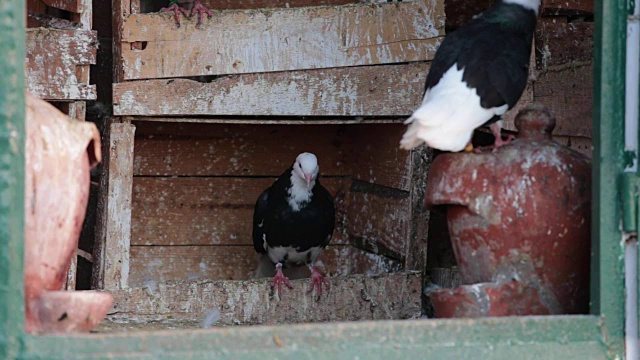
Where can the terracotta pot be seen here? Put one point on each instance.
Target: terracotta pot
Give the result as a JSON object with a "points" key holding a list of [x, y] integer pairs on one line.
{"points": [[60, 152], [511, 298], [521, 212]]}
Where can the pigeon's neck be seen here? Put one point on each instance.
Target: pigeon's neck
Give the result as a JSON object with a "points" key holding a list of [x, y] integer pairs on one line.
{"points": [[513, 17], [299, 193]]}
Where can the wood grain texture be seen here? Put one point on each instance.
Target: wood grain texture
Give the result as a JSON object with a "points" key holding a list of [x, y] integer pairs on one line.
{"points": [[561, 43], [387, 297], [418, 226], [459, 12], [269, 120], [112, 248], [387, 90], [580, 144], [249, 41], [378, 158], [158, 264], [207, 211], [73, 6], [147, 6], [52, 61], [567, 7], [378, 221], [568, 93], [238, 150]]}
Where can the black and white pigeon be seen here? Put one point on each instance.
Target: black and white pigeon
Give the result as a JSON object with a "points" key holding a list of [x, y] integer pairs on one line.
{"points": [[293, 221], [478, 73]]}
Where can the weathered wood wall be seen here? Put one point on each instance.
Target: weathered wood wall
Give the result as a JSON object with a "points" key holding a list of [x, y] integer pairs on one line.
{"points": [[216, 124], [195, 186], [281, 39], [275, 49], [561, 76]]}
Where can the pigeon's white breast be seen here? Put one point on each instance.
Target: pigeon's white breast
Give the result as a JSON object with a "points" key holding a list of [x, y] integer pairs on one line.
{"points": [[278, 253]]}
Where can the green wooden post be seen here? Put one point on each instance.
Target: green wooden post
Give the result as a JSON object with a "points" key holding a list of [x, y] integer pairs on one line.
{"points": [[12, 110], [607, 286]]}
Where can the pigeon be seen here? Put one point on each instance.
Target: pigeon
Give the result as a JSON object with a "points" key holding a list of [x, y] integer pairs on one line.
{"points": [[183, 6], [478, 73], [293, 221]]}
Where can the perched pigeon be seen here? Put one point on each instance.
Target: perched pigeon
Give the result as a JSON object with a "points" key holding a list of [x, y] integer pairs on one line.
{"points": [[293, 221], [183, 6], [478, 73]]}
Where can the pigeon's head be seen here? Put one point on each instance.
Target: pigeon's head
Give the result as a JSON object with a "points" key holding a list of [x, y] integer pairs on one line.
{"points": [[306, 167], [527, 4]]}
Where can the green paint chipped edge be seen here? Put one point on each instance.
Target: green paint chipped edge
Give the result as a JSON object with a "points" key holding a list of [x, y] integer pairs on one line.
{"points": [[607, 265], [12, 109]]}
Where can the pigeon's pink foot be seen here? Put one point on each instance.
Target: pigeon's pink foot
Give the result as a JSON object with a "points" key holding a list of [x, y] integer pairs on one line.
{"points": [[279, 279], [498, 142], [317, 279], [198, 8], [176, 12]]}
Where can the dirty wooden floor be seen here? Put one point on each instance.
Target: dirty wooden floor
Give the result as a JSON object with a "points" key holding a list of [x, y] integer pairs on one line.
{"points": [[208, 303]]}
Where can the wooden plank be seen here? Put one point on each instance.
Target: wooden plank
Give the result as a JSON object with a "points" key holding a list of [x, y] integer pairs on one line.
{"points": [[78, 110], [238, 150], [66, 5], [147, 6], [157, 264], [378, 158], [120, 10], [387, 90], [580, 144], [52, 59], [393, 296], [282, 39], [418, 228], [271, 120], [206, 211], [378, 219], [85, 14], [567, 7], [560, 43], [112, 248], [37, 19], [460, 12], [36, 7], [568, 93]]}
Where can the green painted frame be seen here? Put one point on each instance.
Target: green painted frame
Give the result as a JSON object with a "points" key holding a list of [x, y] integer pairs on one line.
{"points": [[595, 336]]}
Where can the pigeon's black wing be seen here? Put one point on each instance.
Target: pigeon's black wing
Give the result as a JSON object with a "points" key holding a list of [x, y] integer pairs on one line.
{"points": [[446, 57], [493, 49], [508, 74], [258, 222]]}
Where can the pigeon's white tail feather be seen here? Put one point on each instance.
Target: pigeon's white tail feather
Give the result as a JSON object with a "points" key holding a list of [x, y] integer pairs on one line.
{"points": [[410, 138], [448, 116]]}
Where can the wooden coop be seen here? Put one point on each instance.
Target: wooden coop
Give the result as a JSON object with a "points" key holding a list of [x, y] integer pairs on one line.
{"points": [[198, 132], [203, 119]]}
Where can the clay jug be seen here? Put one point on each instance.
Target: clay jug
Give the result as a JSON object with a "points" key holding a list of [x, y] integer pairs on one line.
{"points": [[520, 213], [59, 153]]}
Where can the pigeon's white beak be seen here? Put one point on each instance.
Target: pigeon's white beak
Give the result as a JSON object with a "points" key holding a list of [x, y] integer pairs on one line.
{"points": [[308, 178]]}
